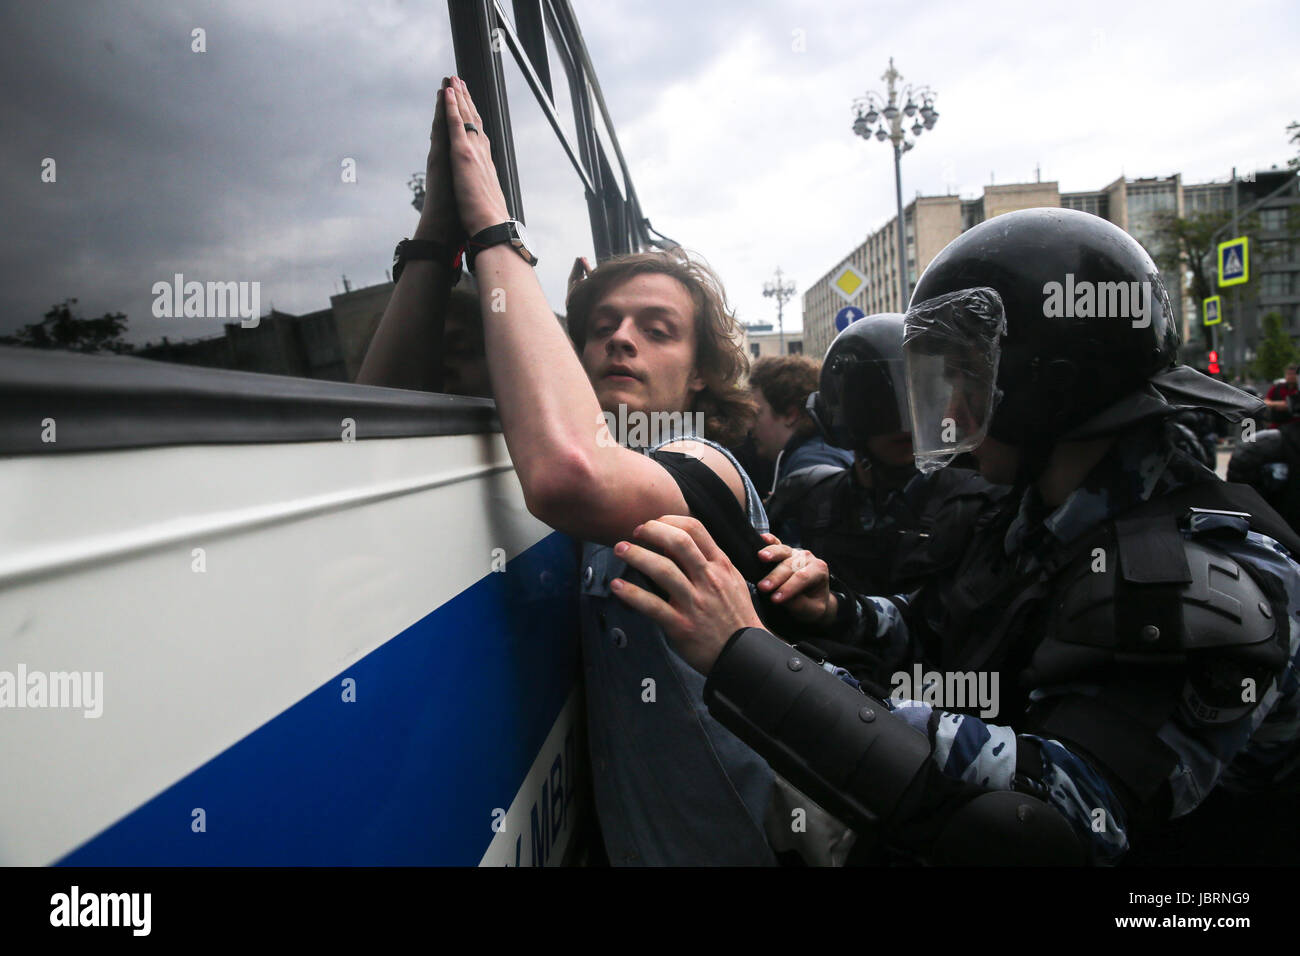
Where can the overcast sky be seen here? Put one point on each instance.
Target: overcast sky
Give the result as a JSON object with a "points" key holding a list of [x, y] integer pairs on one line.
{"points": [[734, 118]]}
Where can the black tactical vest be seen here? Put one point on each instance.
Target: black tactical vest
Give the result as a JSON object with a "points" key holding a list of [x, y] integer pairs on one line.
{"points": [[991, 615], [899, 553]]}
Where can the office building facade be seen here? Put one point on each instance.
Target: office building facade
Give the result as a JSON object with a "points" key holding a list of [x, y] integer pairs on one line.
{"points": [[1135, 205]]}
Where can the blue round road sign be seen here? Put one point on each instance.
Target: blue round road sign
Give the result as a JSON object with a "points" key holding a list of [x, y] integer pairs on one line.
{"points": [[846, 315]]}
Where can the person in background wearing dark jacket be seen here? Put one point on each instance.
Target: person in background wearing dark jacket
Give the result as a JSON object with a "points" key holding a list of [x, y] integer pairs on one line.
{"points": [[784, 432]]}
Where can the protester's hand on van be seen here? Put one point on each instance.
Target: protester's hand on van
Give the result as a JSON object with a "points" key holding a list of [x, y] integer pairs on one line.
{"points": [[708, 599], [439, 219], [801, 582], [478, 191]]}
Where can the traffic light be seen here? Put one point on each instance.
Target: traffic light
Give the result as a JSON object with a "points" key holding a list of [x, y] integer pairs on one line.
{"points": [[1214, 362]]}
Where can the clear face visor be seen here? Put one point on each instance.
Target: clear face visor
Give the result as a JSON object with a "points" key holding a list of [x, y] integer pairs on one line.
{"points": [[951, 347]]}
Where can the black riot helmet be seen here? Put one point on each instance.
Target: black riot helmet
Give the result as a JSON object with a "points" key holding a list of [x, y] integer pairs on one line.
{"points": [[1043, 318], [863, 384]]}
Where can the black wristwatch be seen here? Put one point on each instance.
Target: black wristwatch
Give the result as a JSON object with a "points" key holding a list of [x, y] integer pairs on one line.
{"points": [[511, 231], [408, 249]]}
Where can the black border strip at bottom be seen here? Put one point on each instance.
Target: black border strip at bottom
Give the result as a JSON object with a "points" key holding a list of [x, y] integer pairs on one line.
{"points": [[926, 908]]}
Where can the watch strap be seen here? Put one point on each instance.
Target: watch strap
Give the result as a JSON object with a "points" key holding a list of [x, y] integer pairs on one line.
{"points": [[408, 249], [502, 232]]}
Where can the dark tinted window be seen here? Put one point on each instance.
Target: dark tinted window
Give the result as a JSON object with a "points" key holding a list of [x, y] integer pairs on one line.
{"points": [[218, 187]]}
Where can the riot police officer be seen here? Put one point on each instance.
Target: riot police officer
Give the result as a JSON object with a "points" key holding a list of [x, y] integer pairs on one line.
{"points": [[1137, 616], [872, 523]]}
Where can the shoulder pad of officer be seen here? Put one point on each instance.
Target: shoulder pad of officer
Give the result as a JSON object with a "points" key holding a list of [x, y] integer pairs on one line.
{"points": [[1220, 605]]}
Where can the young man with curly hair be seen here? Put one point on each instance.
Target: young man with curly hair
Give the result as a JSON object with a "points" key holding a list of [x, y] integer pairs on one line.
{"points": [[650, 336]]}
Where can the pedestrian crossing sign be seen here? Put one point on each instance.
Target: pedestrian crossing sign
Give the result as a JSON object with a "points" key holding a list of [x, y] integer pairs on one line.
{"points": [[1234, 261], [847, 282], [1211, 310]]}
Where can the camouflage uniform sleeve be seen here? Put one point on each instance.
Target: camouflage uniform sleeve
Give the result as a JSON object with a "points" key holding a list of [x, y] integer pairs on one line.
{"points": [[977, 752], [1247, 750], [879, 623]]}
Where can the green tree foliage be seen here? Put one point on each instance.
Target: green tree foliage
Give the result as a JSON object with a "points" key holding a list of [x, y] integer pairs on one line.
{"points": [[1276, 349], [1184, 243], [60, 329], [1188, 245]]}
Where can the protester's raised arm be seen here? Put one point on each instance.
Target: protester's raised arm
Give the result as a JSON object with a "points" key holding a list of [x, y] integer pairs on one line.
{"points": [[407, 348], [575, 477]]}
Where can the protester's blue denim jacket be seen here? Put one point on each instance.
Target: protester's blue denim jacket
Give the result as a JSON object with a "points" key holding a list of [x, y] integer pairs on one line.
{"points": [[673, 787]]}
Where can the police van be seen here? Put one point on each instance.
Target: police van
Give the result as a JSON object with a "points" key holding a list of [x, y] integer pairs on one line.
{"points": [[278, 619]]}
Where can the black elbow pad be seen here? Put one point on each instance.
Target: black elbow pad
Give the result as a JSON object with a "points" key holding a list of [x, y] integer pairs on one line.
{"points": [[843, 749], [869, 768]]}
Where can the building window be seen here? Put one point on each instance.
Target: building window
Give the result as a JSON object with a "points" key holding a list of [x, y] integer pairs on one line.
{"points": [[1272, 220], [796, 347], [1275, 283], [1274, 250], [1088, 204], [754, 349]]}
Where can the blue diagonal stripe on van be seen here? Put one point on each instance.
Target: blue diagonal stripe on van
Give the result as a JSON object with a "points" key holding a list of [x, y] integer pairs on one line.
{"points": [[448, 718]]}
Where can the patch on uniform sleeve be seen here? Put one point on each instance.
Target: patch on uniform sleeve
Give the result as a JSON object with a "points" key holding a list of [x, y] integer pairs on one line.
{"points": [[1205, 709]]}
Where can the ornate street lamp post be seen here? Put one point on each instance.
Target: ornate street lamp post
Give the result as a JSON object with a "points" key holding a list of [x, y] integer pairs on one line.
{"points": [[782, 292], [872, 107]]}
